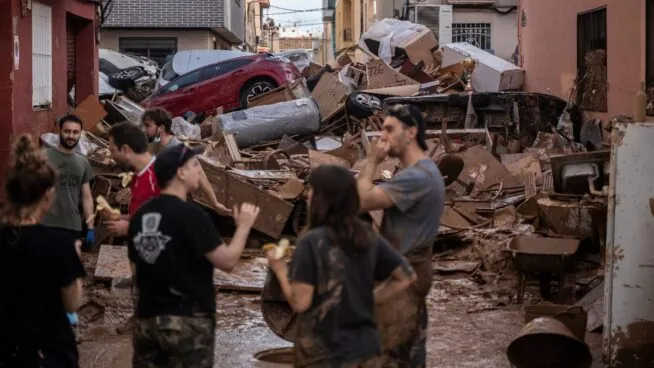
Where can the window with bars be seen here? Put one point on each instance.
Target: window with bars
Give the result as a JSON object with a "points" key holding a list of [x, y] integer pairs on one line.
{"points": [[41, 55], [592, 74], [155, 48], [477, 34]]}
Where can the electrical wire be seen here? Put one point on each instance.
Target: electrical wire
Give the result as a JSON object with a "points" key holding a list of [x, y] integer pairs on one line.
{"points": [[298, 10]]}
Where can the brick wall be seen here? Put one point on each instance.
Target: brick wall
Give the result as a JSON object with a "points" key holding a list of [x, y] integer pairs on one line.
{"points": [[166, 14]]}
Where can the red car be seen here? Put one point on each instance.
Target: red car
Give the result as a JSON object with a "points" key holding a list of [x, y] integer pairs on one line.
{"points": [[230, 84]]}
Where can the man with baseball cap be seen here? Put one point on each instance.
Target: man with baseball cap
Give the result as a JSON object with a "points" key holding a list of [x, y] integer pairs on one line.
{"points": [[174, 247], [413, 203]]}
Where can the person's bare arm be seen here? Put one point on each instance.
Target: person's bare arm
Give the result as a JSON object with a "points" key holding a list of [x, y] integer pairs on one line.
{"points": [[87, 204], [207, 189], [298, 294], [401, 278], [371, 197], [225, 257], [72, 296], [117, 228]]}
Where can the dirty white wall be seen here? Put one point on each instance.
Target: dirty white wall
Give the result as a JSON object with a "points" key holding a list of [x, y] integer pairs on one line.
{"points": [[504, 28], [186, 39]]}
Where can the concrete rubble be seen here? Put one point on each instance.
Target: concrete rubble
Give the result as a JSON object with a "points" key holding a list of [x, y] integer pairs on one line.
{"points": [[518, 189]]}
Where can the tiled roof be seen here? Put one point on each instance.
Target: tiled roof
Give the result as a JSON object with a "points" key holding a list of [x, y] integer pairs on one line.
{"points": [[166, 14]]}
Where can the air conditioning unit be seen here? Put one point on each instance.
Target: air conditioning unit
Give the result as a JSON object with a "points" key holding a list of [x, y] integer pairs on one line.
{"points": [[438, 18]]}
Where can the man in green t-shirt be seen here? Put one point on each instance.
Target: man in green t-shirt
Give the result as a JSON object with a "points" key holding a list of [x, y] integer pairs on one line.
{"points": [[74, 174]]}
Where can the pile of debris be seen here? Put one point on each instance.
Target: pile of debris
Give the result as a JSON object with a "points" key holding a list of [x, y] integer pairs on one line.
{"points": [[522, 195]]}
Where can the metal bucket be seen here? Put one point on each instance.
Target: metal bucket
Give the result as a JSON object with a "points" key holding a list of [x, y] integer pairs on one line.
{"points": [[547, 343], [277, 313]]}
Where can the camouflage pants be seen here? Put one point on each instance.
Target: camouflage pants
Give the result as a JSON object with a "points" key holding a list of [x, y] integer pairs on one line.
{"points": [[403, 321], [175, 342]]}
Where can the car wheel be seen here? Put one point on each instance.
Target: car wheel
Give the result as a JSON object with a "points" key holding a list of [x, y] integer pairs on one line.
{"points": [[363, 105], [125, 78], [138, 94], [254, 89]]}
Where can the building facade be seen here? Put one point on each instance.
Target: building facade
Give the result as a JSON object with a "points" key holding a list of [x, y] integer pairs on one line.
{"points": [[293, 38], [158, 28], [39, 40], [610, 40], [254, 23]]}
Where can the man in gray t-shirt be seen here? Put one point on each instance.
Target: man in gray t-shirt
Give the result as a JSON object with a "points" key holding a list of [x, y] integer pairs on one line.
{"points": [[74, 174], [413, 203]]}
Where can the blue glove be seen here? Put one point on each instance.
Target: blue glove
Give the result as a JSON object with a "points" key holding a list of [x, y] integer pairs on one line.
{"points": [[72, 318], [90, 237]]}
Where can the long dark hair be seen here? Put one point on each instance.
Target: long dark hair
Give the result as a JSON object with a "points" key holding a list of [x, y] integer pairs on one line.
{"points": [[29, 176], [335, 205]]}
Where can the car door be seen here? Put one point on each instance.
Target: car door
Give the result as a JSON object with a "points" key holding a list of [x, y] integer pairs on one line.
{"points": [[178, 96], [219, 87]]}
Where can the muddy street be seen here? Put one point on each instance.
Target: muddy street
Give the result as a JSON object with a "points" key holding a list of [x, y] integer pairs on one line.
{"points": [[470, 326]]}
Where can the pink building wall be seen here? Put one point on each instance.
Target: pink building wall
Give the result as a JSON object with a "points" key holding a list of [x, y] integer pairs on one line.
{"points": [[548, 48]]}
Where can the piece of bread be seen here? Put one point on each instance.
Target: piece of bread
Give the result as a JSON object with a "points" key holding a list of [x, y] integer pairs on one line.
{"points": [[126, 177], [105, 210], [281, 249]]}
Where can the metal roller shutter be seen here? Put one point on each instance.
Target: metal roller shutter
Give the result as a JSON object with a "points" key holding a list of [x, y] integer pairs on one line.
{"points": [[70, 52]]}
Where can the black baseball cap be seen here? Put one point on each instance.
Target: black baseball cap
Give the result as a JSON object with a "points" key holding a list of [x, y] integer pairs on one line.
{"points": [[410, 116], [171, 159]]}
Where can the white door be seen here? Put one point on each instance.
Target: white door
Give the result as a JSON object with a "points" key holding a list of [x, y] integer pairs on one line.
{"points": [[629, 286]]}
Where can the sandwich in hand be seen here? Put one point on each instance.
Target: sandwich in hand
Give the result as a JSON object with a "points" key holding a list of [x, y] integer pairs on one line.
{"points": [[105, 210], [280, 250]]}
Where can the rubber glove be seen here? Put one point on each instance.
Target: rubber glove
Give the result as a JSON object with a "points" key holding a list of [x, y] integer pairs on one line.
{"points": [[90, 238]]}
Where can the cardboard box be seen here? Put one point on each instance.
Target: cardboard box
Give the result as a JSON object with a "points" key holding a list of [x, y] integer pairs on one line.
{"points": [[419, 48], [492, 74]]}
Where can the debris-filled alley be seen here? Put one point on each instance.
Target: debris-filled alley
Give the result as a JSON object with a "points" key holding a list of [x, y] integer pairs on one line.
{"points": [[524, 223], [542, 256]]}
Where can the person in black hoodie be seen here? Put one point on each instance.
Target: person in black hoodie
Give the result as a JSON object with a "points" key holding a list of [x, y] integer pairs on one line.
{"points": [[40, 268]]}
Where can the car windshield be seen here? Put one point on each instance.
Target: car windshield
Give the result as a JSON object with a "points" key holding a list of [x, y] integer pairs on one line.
{"points": [[167, 73]]}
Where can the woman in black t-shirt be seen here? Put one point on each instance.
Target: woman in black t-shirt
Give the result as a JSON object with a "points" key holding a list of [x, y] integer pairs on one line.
{"points": [[40, 269], [330, 281]]}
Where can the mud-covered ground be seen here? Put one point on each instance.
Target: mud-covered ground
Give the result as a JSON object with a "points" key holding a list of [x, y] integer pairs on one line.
{"points": [[471, 324]]}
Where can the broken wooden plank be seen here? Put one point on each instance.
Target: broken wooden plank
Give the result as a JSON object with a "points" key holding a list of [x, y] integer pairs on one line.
{"points": [[266, 174], [231, 190], [113, 262]]}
